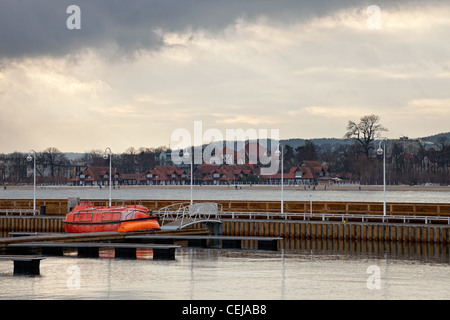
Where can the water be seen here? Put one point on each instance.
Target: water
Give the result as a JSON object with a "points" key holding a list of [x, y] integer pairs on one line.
{"points": [[201, 274], [221, 193], [303, 270]]}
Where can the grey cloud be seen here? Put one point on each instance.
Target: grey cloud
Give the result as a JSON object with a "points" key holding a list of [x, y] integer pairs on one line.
{"points": [[36, 28], [30, 27]]}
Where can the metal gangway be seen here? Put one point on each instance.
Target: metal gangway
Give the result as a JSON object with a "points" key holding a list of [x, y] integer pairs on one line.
{"points": [[181, 215], [185, 214]]}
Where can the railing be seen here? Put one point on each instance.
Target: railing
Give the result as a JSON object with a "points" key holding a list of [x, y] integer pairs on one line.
{"points": [[173, 215], [337, 216], [185, 212], [18, 211]]}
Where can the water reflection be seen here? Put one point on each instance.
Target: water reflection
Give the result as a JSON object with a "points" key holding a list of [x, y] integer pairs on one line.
{"points": [[390, 249], [385, 249], [299, 270], [376, 249]]}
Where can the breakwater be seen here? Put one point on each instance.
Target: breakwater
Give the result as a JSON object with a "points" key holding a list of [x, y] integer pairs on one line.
{"points": [[60, 207], [31, 224], [313, 230], [288, 229]]}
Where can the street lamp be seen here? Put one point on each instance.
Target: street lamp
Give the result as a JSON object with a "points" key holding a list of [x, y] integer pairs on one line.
{"points": [[32, 155], [186, 155], [382, 151], [279, 153], [105, 156]]}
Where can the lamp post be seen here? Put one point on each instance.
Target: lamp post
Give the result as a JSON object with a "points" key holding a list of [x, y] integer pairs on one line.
{"points": [[382, 151], [188, 156], [105, 156], [32, 155], [279, 153]]}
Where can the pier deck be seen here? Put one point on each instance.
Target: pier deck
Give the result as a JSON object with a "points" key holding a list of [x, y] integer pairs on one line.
{"points": [[91, 249], [264, 243]]}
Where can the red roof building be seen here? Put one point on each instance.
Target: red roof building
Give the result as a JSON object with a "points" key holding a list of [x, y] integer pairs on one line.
{"points": [[160, 175], [95, 176], [251, 153], [210, 174], [164, 175], [307, 173]]}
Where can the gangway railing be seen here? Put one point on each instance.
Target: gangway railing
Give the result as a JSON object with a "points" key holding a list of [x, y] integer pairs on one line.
{"points": [[185, 211], [190, 213], [335, 216]]}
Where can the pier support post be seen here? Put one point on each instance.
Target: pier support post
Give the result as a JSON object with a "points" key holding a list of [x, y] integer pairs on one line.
{"points": [[271, 245], [125, 253], [24, 265], [52, 251], [198, 243], [164, 254], [231, 244], [30, 267], [88, 252]]}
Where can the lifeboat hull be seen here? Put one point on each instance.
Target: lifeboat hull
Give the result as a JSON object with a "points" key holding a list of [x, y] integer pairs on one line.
{"points": [[91, 227], [86, 218], [129, 226]]}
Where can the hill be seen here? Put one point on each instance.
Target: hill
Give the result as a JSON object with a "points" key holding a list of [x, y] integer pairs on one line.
{"points": [[334, 142], [437, 138]]}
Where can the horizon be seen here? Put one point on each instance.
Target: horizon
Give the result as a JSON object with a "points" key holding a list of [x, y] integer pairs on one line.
{"points": [[168, 147], [121, 75]]}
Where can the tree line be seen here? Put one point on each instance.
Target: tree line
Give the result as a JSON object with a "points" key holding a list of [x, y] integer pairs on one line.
{"points": [[358, 161], [54, 167]]}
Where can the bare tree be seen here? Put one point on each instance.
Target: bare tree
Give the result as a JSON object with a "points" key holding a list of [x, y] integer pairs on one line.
{"points": [[55, 160], [17, 164], [364, 132], [95, 158], [307, 152]]}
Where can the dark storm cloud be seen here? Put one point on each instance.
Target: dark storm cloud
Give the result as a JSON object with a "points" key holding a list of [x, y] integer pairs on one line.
{"points": [[35, 28]]}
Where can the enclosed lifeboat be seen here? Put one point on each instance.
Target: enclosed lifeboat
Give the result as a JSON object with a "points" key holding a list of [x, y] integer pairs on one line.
{"points": [[87, 218]]}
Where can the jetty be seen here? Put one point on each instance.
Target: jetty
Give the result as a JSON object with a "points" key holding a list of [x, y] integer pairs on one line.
{"points": [[403, 222]]}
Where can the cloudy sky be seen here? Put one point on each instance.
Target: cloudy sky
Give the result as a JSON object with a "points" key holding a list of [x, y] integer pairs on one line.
{"points": [[138, 70]]}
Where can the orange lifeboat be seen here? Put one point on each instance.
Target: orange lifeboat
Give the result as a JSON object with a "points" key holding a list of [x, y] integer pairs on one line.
{"points": [[129, 226], [87, 218]]}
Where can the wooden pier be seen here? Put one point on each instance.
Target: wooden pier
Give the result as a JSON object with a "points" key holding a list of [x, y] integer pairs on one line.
{"points": [[31, 223], [294, 227], [311, 230], [59, 207], [205, 241], [91, 249], [24, 265]]}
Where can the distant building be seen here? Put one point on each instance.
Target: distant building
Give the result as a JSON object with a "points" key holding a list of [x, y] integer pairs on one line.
{"points": [[212, 174], [163, 175], [250, 153], [95, 176], [307, 173], [164, 158], [129, 179], [411, 146]]}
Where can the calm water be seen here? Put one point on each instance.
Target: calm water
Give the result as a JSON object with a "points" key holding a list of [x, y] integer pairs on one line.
{"points": [[253, 193], [302, 270], [383, 273]]}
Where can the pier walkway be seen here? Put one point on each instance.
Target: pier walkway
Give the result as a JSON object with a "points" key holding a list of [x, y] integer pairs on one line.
{"points": [[91, 249], [224, 242]]}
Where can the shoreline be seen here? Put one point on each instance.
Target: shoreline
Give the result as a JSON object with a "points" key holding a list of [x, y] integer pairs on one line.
{"points": [[405, 188]]}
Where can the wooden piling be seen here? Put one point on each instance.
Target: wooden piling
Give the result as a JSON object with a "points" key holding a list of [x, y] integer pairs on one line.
{"points": [[292, 229], [31, 224], [317, 230]]}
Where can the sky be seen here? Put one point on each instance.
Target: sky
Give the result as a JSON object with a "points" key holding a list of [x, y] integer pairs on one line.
{"points": [[136, 71]]}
